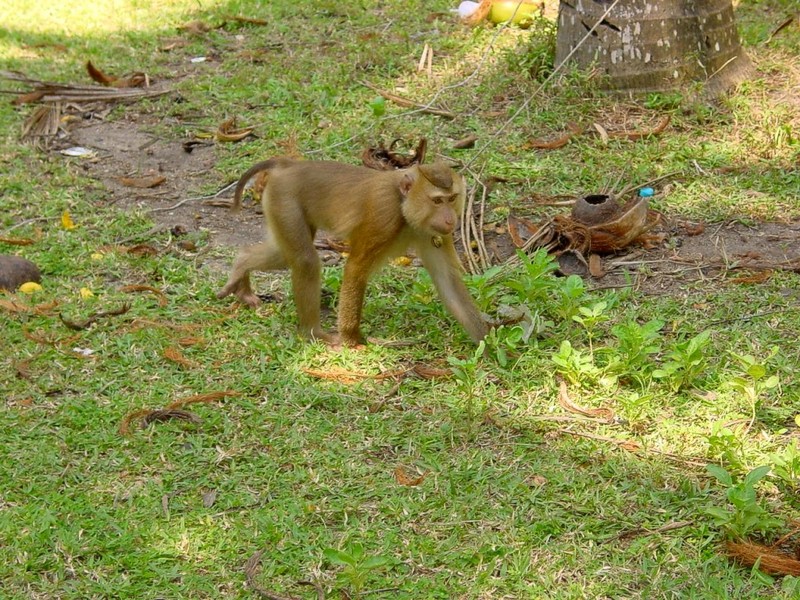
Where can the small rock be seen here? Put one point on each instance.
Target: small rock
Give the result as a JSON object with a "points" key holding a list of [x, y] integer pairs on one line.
{"points": [[14, 271]]}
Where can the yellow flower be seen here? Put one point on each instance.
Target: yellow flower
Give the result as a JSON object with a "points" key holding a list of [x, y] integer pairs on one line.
{"points": [[86, 293], [66, 220]]}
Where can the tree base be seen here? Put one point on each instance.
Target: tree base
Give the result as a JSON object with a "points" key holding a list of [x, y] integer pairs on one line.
{"points": [[654, 45]]}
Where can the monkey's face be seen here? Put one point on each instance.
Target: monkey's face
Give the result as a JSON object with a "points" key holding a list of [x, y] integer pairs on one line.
{"points": [[433, 201]]}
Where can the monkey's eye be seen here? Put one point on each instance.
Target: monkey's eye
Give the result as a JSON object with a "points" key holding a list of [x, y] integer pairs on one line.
{"points": [[438, 200]]}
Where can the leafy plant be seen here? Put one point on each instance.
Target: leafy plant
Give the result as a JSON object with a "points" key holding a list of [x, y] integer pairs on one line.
{"points": [[745, 515], [686, 362], [725, 445], [502, 342], [467, 373], [356, 566], [576, 366], [753, 382], [786, 464], [590, 318], [636, 344], [533, 284], [569, 295], [483, 286], [536, 58]]}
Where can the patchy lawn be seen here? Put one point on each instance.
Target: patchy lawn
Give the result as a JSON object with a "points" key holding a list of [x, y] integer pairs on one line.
{"points": [[160, 443]]}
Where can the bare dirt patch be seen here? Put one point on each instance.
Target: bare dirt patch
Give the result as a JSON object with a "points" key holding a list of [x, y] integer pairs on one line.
{"points": [[696, 253], [691, 253], [128, 148]]}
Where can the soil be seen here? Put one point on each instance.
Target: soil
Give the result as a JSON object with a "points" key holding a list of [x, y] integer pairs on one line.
{"points": [[124, 148], [690, 252]]}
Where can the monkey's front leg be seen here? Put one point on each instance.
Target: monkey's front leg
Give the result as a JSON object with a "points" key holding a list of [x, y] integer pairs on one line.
{"points": [[351, 300]]}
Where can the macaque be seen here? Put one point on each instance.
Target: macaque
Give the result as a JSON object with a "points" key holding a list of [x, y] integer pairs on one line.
{"points": [[382, 213]]}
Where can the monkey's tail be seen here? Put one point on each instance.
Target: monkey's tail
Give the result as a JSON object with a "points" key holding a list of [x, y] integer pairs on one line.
{"points": [[264, 165]]}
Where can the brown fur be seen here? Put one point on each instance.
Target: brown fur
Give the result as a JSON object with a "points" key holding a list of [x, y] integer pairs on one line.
{"points": [[382, 213]]}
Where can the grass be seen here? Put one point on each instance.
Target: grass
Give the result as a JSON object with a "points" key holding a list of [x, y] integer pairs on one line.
{"points": [[519, 497]]}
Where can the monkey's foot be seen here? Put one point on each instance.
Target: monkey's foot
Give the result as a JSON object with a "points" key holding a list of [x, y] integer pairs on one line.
{"points": [[242, 290], [336, 341]]}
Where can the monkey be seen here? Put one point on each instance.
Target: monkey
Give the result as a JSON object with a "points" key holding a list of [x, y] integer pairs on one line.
{"points": [[382, 213]]}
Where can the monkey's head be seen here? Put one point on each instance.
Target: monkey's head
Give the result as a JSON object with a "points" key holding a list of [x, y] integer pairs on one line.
{"points": [[433, 198]]}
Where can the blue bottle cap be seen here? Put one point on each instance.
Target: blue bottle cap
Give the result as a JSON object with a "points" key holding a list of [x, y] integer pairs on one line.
{"points": [[646, 192]]}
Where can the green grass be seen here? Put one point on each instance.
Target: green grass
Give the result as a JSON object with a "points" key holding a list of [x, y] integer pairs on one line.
{"points": [[521, 498]]}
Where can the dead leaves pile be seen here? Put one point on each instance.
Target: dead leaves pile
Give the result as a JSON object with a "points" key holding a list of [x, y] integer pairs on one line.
{"points": [[57, 99]]}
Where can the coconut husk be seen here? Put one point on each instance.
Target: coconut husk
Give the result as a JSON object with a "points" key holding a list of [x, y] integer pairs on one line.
{"points": [[770, 559], [382, 158]]}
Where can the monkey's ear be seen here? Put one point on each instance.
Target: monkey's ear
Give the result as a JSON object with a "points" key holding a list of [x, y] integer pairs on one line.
{"points": [[407, 182]]}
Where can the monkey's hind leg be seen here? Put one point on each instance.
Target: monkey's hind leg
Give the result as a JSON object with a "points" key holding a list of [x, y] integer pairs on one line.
{"points": [[265, 256]]}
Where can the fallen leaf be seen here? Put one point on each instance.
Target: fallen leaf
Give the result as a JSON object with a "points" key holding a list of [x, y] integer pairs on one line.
{"points": [[464, 143], [143, 182], [602, 132], [345, 376], [66, 220], [172, 354], [227, 131], [555, 143], [80, 325], [28, 98], [162, 299], [196, 27], [209, 498], [637, 135], [596, 269], [170, 44], [22, 367], [13, 307], [520, 230], [78, 151], [606, 414], [757, 277], [403, 477], [30, 287], [16, 241], [98, 76], [206, 398], [249, 20], [536, 481], [142, 250], [48, 46], [428, 372], [187, 245], [693, 229], [234, 136]]}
